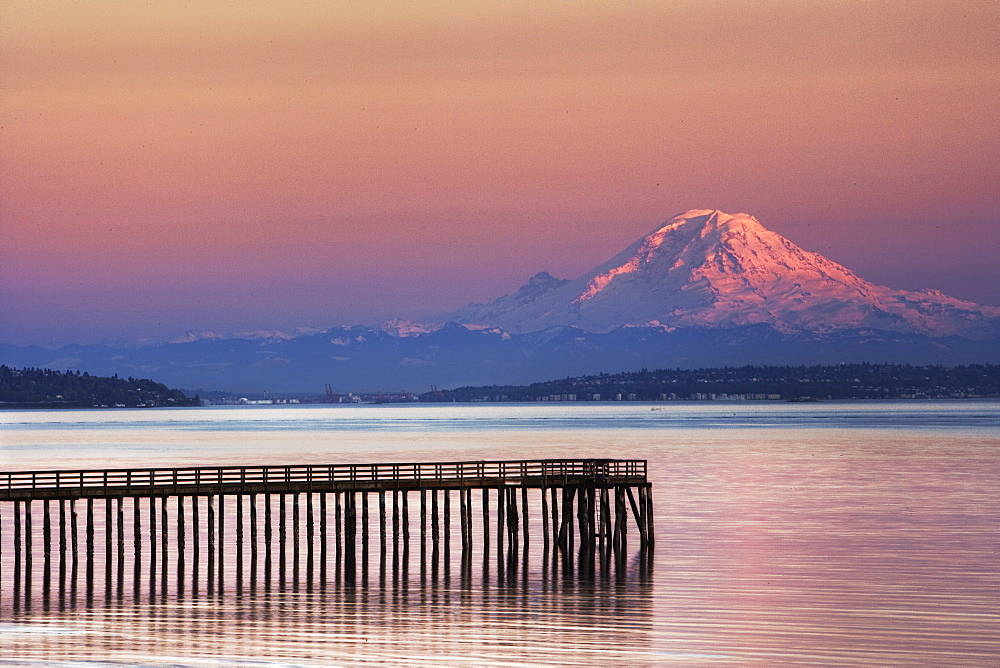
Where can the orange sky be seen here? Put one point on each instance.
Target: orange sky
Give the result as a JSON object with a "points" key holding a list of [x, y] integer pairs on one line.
{"points": [[310, 164]]}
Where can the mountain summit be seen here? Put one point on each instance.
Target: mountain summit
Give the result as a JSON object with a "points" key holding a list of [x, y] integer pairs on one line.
{"points": [[709, 269]]}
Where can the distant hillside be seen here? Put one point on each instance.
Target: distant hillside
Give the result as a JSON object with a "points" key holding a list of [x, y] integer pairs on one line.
{"points": [[29, 388], [843, 381]]}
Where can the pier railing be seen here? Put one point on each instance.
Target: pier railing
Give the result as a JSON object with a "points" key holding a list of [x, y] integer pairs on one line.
{"points": [[317, 477]]}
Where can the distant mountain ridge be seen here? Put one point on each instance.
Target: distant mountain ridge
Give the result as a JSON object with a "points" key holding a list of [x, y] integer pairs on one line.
{"points": [[363, 359], [704, 289], [709, 269]]}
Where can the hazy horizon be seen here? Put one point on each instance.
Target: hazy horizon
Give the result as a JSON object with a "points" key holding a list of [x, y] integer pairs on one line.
{"points": [[234, 168]]}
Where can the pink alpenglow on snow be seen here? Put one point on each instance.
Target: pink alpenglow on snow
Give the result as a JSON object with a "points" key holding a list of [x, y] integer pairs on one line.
{"points": [[706, 268]]}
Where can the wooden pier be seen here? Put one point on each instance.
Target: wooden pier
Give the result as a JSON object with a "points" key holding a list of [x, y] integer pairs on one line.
{"points": [[592, 501]]}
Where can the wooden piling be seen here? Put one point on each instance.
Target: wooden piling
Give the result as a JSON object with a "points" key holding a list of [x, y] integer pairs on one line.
{"points": [[62, 534], [152, 540], [423, 516], [107, 545], [512, 520], [447, 522], [322, 539], [395, 516], [350, 533], [591, 514], [17, 545], [163, 542], [381, 520], [616, 540], [121, 539], [267, 539], [222, 540], [463, 519], [181, 541], [406, 520], [364, 529], [29, 535], [46, 534], [239, 542], [350, 527], [468, 517], [545, 520], [195, 543], [136, 541], [253, 541], [605, 529], [486, 518], [73, 535], [435, 520], [282, 530], [310, 535], [649, 514], [501, 515], [337, 524], [554, 494], [211, 543], [524, 512], [295, 536], [567, 516], [639, 517], [17, 531], [90, 536]]}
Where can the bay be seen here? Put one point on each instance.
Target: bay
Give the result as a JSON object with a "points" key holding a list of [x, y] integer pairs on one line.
{"points": [[833, 533]]}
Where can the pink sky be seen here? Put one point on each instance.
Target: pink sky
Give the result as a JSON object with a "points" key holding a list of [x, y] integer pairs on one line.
{"points": [[174, 166]]}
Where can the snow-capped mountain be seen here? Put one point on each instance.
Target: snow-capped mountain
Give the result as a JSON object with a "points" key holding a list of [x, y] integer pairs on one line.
{"points": [[705, 289], [708, 269]]}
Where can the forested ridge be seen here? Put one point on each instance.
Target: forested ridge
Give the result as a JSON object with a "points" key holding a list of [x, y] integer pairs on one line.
{"points": [[844, 381], [33, 387]]}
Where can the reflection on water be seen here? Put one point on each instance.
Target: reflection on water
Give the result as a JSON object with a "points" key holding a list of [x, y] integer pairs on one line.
{"points": [[423, 606], [849, 534]]}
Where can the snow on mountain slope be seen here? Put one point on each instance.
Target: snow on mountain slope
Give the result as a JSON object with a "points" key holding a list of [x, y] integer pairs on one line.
{"points": [[705, 268]]}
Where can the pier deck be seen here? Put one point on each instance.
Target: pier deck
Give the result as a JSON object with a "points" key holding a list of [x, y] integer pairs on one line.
{"points": [[207, 481]]}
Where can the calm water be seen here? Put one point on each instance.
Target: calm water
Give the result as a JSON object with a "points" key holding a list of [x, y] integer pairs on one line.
{"points": [[833, 533]]}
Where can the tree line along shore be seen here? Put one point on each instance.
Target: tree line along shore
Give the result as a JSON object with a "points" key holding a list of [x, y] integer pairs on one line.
{"points": [[788, 383], [46, 388]]}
